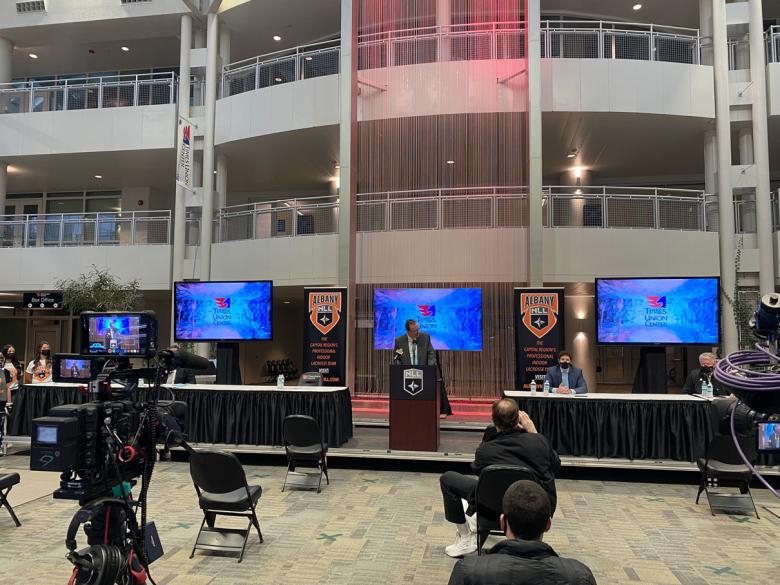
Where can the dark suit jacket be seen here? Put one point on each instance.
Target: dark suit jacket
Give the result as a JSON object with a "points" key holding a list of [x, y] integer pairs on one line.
{"points": [[426, 355], [577, 382], [693, 384], [184, 376]]}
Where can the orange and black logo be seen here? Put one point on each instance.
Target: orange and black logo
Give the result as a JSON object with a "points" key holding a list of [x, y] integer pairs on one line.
{"points": [[540, 312], [325, 310]]}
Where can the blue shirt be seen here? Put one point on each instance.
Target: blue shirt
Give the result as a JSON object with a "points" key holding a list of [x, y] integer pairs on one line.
{"points": [[565, 377]]}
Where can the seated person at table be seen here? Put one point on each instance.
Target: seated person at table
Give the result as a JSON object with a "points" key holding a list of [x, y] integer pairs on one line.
{"points": [[565, 378], [693, 382], [513, 441], [522, 559], [180, 375]]}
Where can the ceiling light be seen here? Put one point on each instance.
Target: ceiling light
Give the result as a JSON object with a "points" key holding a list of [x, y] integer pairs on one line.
{"points": [[572, 153], [637, 7], [308, 58], [338, 166], [577, 172], [578, 192], [98, 176], [277, 38], [33, 56], [286, 302], [125, 49], [5, 307], [278, 79], [450, 162]]}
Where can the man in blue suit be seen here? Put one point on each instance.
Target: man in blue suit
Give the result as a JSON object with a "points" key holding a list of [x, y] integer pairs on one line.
{"points": [[565, 378]]}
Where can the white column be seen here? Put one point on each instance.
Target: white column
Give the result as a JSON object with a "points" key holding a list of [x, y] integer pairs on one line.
{"points": [[745, 143], [6, 56], [348, 174], [222, 177], [180, 204], [766, 261], [443, 22], [224, 46], [705, 31], [206, 225], [534, 56], [725, 193]]}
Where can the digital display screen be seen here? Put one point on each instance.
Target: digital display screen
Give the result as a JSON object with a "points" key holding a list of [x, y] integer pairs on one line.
{"points": [[223, 311], [769, 436], [451, 316], [76, 369], [46, 434], [658, 311], [116, 335]]}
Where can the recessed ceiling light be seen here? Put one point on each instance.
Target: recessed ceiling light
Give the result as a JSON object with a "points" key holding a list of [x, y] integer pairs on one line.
{"points": [[572, 153], [125, 49], [277, 38], [450, 162], [33, 56], [278, 79], [637, 6], [286, 302], [338, 166], [308, 58], [98, 176]]}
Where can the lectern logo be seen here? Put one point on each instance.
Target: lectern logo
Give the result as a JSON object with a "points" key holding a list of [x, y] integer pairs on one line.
{"points": [[540, 312], [325, 310], [413, 381]]}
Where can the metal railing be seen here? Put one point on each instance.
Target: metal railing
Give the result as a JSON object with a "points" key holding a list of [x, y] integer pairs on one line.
{"points": [[505, 40], [271, 219], [86, 93], [773, 44], [85, 229], [304, 62], [502, 207]]}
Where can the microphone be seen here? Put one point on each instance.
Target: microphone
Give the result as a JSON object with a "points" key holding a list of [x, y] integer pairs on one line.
{"points": [[185, 359], [398, 355]]}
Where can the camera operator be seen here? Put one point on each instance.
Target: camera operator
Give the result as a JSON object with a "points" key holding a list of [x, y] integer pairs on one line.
{"points": [[698, 375], [180, 375], [39, 370]]}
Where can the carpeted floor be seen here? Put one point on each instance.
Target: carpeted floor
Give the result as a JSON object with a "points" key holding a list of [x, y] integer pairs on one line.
{"points": [[386, 527]]}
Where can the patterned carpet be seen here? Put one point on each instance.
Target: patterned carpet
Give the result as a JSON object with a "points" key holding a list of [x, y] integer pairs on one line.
{"points": [[382, 527]]}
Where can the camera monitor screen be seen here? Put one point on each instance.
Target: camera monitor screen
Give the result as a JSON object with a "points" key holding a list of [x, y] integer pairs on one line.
{"points": [[46, 434], [769, 436], [223, 311], [74, 368], [119, 334], [451, 316], [658, 311]]}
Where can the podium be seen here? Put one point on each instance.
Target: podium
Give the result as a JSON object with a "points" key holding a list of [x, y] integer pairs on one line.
{"points": [[414, 408]]}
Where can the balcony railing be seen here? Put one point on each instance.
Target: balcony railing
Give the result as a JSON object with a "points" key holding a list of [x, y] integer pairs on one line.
{"points": [[294, 64], [282, 218], [505, 40], [773, 44], [85, 229], [502, 207], [87, 93]]}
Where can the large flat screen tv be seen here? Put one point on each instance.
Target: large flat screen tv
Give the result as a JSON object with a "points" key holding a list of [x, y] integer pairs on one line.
{"points": [[452, 316], [667, 311], [223, 311]]}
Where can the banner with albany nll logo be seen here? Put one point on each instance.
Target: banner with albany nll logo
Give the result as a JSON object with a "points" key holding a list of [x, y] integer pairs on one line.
{"points": [[539, 333], [325, 334], [185, 155]]}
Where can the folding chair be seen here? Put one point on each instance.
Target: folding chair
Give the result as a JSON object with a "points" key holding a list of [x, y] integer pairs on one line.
{"points": [[304, 446], [7, 481], [724, 466]]}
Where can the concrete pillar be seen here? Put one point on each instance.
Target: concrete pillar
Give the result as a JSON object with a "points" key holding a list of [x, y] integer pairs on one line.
{"points": [[6, 59], [766, 261], [710, 179], [222, 177], [180, 204], [348, 175], [534, 57], [443, 22], [705, 31], [577, 178], [742, 56], [745, 142], [730, 339], [3, 185], [224, 46], [206, 225]]}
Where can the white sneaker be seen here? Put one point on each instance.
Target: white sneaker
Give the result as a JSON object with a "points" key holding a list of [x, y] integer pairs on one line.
{"points": [[472, 522], [465, 545]]}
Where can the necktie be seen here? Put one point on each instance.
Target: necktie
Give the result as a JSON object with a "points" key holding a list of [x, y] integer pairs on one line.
{"points": [[414, 354]]}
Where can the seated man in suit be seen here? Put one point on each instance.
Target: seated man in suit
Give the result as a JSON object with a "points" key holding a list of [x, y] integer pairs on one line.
{"points": [[180, 375], [565, 378], [414, 347], [513, 441], [693, 382], [523, 558]]}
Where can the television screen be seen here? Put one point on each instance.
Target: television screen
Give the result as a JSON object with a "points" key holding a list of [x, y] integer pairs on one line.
{"points": [[769, 436], [658, 310], [119, 334], [75, 368], [223, 311], [451, 316]]}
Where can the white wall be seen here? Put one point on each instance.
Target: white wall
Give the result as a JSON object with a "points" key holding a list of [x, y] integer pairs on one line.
{"points": [[26, 269], [773, 88], [100, 130], [282, 108], [65, 11]]}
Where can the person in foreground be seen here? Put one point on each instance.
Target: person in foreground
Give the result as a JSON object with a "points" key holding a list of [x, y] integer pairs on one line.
{"points": [[565, 378], [512, 441], [522, 559]]}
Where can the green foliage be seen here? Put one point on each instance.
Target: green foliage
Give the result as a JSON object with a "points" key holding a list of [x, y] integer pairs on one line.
{"points": [[99, 290], [741, 310]]}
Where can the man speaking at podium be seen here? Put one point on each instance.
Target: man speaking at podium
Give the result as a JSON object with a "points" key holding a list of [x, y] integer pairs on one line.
{"points": [[414, 348]]}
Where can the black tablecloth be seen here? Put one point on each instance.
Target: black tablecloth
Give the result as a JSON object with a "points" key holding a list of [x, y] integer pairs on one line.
{"points": [[217, 416], [629, 429]]}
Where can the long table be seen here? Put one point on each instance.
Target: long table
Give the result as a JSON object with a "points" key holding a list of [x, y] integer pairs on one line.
{"points": [[248, 415], [630, 426]]}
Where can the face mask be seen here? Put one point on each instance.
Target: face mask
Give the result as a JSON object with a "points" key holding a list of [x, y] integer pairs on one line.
{"points": [[564, 365], [45, 352], [705, 369], [11, 356]]}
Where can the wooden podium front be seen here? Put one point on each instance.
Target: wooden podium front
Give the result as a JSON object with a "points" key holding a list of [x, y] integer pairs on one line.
{"points": [[414, 408]]}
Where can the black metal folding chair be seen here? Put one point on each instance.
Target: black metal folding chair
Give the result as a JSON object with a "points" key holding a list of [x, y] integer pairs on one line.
{"points": [[7, 481], [493, 483], [723, 466], [222, 490], [304, 446]]}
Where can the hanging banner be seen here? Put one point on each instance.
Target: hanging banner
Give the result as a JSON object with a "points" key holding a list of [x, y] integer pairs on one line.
{"points": [[325, 334], [539, 333], [185, 153]]}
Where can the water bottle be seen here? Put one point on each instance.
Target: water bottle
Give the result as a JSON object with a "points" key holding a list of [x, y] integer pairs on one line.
{"points": [[533, 386], [546, 386], [706, 389], [279, 382]]}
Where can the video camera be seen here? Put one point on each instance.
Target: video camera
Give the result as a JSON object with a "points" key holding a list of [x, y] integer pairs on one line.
{"points": [[104, 445]]}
